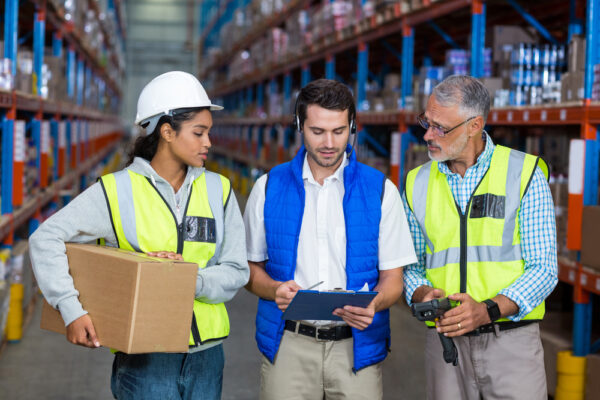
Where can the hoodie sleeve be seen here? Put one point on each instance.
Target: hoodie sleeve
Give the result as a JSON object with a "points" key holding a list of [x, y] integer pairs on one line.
{"points": [[220, 282], [83, 220]]}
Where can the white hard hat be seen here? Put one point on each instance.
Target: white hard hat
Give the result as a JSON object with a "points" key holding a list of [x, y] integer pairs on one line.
{"points": [[169, 92]]}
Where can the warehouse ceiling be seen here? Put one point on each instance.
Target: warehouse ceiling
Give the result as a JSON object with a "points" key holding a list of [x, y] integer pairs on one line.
{"points": [[161, 36]]}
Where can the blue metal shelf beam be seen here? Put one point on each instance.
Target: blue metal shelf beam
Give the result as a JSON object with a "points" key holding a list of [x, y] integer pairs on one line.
{"points": [[330, 67], [592, 42], [39, 34], [57, 45], [71, 73], [305, 75], [11, 29], [408, 53], [363, 70], [575, 23], [80, 81], [477, 38]]}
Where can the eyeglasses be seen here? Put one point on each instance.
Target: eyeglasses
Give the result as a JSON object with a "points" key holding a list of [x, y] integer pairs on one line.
{"points": [[438, 130]]}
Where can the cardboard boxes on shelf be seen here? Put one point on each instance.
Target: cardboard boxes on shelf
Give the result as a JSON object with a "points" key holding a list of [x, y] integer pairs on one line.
{"points": [[138, 304], [590, 230], [508, 35], [592, 383], [576, 61], [572, 86]]}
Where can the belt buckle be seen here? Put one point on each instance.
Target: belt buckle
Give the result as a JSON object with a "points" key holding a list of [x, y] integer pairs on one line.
{"points": [[317, 338]]}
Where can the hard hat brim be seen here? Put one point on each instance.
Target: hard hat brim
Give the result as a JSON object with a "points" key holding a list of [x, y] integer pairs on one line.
{"points": [[211, 107]]}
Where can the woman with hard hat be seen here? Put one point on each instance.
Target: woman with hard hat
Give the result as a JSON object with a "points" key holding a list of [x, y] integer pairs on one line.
{"points": [[183, 212]]}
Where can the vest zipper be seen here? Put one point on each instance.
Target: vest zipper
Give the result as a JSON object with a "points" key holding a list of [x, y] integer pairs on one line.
{"points": [[195, 331], [463, 235], [463, 252], [194, 328]]}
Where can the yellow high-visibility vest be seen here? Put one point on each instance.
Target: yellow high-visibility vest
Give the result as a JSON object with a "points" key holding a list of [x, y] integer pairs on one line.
{"points": [[143, 222], [478, 253]]}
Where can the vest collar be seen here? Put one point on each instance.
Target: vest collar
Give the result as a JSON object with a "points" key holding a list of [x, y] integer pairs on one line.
{"points": [[142, 166]]}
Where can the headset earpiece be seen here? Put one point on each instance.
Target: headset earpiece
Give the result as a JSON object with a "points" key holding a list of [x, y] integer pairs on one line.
{"points": [[296, 122], [353, 125]]}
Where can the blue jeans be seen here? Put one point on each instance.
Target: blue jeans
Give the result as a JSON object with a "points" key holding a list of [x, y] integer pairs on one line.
{"points": [[168, 376]]}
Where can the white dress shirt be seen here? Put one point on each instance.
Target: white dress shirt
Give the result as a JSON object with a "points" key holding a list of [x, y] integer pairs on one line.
{"points": [[322, 244]]}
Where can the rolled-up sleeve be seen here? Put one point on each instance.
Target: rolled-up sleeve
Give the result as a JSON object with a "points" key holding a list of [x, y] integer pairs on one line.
{"points": [[537, 226]]}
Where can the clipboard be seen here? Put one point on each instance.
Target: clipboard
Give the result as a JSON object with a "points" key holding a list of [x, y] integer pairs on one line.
{"points": [[315, 305]]}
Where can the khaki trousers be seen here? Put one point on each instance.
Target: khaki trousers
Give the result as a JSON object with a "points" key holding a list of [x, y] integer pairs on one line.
{"points": [[506, 365], [307, 369]]}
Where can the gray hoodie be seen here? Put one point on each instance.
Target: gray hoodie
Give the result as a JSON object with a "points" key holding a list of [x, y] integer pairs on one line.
{"points": [[86, 218]]}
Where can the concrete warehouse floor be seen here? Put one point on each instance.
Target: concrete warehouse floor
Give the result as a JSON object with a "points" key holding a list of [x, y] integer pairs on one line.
{"points": [[43, 365]]}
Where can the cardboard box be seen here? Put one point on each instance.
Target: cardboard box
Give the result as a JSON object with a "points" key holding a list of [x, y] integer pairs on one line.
{"points": [[590, 229], [510, 35], [592, 383], [552, 343], [492, 85], [577, 54], [138, 304], [571, 86]]}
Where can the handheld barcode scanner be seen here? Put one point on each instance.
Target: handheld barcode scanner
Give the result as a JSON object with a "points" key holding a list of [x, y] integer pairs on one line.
{"points": [[432, 311]]}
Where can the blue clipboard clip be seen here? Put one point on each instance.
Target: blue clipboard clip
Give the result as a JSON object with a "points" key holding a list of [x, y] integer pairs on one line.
{"points": [[315, 305]]}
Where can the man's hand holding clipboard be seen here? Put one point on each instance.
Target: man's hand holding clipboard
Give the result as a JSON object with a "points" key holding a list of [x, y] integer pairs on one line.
{"points": [[357, 309]]}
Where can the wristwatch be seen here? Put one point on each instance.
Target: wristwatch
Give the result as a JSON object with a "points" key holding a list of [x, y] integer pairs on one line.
{"points": [[492, 309]]}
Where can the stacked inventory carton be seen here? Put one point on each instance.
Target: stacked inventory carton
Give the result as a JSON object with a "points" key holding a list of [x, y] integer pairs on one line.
{"points": [[57, 83], [416, 155], [7, 81], [299, 36], [572, 81], [590, 230], [596, 84], [554, 151], [592, 383], [23, 80], [560, 194], [391, 93]]}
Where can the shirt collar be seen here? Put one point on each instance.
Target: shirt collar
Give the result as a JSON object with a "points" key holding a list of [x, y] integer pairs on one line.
{"points": [[337, 175], [483, 159]]}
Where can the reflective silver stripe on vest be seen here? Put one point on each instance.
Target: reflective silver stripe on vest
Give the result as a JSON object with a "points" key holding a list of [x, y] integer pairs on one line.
{"points": [[513, 196], [214, 188], [419, 198], [474, 254], [126, 208], [505, 253]]}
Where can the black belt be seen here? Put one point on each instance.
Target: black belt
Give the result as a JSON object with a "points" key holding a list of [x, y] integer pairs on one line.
{"points": [[502, 326], [334, 333]]}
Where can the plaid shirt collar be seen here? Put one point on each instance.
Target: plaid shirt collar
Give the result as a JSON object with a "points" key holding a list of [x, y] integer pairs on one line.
{"points": [[483, 160]]}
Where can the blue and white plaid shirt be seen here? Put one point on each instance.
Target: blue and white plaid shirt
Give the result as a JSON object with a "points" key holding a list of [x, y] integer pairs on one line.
{"points": [[537, 226]]}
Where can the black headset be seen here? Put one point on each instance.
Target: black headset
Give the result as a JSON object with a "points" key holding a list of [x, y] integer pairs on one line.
{"points": [[296, 123]]}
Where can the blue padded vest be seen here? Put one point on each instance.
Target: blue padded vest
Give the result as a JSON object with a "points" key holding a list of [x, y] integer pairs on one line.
{"points": [[283, 211]]}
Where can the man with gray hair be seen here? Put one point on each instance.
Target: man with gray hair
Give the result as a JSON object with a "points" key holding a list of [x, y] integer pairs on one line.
{"points": [[482, 220]]}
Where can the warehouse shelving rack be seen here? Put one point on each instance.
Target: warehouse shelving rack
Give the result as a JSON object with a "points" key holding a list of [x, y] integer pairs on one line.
{"points": [[82, 145], [585, 114]]}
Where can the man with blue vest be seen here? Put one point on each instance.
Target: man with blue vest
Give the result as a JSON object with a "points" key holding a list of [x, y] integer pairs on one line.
{"points": [[325, 217], [482, 219]]}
